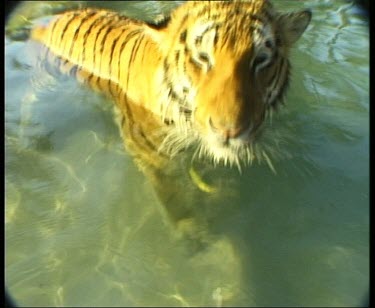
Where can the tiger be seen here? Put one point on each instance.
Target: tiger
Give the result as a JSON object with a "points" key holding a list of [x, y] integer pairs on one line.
{"points": [[202, 77], [199, 80]]}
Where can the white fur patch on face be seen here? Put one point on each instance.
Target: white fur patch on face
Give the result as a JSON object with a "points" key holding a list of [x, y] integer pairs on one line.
{"points": [[200, 41], [178, 92], [183, 88]]}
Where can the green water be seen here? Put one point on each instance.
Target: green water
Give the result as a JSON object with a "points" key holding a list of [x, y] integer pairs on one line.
{"points": [[84, 227]]}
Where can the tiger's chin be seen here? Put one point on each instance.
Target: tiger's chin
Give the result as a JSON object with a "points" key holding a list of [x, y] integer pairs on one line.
{"points": [[232, 152], [237, 152]]}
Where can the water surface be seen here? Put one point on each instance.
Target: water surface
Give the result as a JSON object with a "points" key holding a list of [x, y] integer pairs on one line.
{"points": [[84, 226]]}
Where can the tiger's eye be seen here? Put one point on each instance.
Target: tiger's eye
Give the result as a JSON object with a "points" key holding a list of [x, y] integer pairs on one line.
{"points": [[268, 43], [261, 58]]}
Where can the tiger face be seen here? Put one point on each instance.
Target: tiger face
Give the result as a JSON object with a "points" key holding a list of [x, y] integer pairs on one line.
{"points": [[227, 65]]}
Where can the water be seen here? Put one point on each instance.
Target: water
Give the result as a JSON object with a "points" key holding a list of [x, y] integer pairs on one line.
{"points": [[84, 227]]}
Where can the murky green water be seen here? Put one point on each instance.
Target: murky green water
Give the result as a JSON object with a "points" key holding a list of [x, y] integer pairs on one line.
{"points": [[84, 226]]}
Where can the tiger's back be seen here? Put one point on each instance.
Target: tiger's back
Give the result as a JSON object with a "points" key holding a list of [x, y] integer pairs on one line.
{"points": [[101, 48]]}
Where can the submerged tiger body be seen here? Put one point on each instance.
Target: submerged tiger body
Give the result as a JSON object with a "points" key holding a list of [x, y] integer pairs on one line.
{"points": [[205, 76]]}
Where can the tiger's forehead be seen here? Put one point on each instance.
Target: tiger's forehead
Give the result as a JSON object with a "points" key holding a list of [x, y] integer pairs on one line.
{"points": [[229, 9], [253, 5], [236, 24]]}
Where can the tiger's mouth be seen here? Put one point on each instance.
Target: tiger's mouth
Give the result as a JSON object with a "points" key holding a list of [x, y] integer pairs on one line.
{"points": [[261, 145], [225, 150], [219, 149]]}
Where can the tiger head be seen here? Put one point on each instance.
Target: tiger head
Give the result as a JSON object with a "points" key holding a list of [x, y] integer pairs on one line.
{"points": [[226, 66]]}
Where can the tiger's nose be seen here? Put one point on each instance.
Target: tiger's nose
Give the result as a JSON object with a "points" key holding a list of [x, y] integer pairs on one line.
{"points": [[227, 131]]}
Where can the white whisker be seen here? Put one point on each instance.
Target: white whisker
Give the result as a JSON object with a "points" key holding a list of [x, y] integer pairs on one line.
{"points": [[268, 160], [182, 134]]}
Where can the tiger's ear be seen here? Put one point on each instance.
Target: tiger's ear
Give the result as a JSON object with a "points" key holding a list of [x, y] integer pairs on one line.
{"points": [[157, 29], [292, 25], [161, 21]]}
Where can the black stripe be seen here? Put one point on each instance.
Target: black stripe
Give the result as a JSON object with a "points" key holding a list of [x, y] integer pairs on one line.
{"points": [[224, 40], [62, 63], [123, 97], [198, 40], [195, 62], [177, 57], [173, 39], [88, 32], [111, 57], [283, 70], [165, 68], [174, 95], [126, 110], [216, 38], [184, 67], [89, 80], [132, 55], [67, 24], [78, 28], [97, 82], [285, 84], [233, 36], [148, 142], [103, 26], [206, 30], [183, 36], [107, 31], [53, 30], [135, 132], [280, 69], [143, 39], [277, 77], [128, 37], [201, 12]]}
